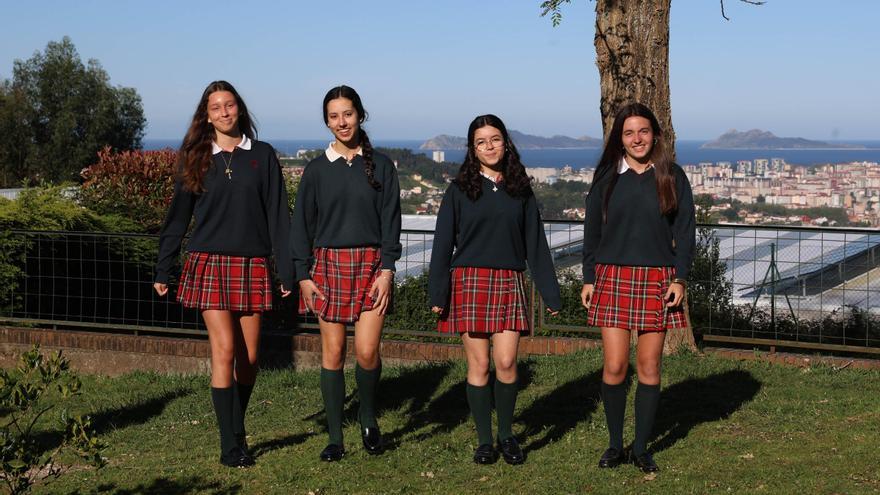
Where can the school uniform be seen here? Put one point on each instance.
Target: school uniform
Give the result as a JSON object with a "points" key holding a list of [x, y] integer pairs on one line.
{"points": [[344, 232], [241, 221], [633, 254]]}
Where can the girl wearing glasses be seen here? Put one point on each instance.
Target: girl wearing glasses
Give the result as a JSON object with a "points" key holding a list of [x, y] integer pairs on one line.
{"points": [[345, 241], [639, 236], [232, 184], [488, 230]]}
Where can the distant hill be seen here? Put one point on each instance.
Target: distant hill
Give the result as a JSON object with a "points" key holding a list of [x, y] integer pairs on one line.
{"points": [[757, 139], [522, 141]]}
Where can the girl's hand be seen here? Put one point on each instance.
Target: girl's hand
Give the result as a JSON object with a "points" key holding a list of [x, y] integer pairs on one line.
{"points": [[586, 295], [310, 291], [284, 292], [674, 294], [161, 289], [552, 313], [437, 309], [380, 292]]}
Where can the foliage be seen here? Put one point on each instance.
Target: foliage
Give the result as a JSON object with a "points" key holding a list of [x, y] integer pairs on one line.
{"points": [[137, 184], [291, 182], [554, 199], [409, 163], [709, 290], [57, 112], [27, 395], [411, 309]]}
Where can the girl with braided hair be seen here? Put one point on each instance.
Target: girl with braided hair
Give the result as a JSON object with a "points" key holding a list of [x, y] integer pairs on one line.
{"points": [[345, 239]]}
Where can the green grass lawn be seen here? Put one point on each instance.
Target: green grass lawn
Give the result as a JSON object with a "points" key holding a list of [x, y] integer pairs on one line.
{"points": [[722, 427]]}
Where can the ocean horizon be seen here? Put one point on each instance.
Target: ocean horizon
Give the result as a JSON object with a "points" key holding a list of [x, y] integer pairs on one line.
{"points": [[688, 152]]}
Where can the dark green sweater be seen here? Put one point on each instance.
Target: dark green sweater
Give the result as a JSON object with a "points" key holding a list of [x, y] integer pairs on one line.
{"points": [[337, 208]]}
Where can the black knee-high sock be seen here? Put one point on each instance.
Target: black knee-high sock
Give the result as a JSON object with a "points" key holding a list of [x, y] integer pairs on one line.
{"points": [[505, 403], [223, 399], [242, 395], [333, 391], [614, 401], [367, 382], [480, 401], [647, 398]]}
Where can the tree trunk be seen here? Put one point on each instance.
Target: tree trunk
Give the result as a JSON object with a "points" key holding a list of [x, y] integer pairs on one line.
{"points": [[632, 54]]}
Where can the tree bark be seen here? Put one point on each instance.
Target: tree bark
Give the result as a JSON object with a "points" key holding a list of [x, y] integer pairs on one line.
{"points": [[632, 54]]}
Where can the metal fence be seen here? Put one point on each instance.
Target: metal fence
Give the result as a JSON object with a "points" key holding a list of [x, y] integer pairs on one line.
{"points": [[789, 286]]}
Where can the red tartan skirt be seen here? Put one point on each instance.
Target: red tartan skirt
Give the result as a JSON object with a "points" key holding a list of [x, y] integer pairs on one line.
{"points": [[344, 276], [631, 297], [486, 300], [233, 283]]}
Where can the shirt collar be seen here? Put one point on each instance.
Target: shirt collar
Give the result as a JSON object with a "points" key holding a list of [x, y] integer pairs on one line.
{"points": [[495, 180], [245, 144], [333, 155], [622, 167]]}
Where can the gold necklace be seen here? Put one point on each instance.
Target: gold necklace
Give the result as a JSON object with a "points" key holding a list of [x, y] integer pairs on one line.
{"points": [[228, 163]]}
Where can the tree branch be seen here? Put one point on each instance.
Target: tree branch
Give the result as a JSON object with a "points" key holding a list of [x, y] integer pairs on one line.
{"points": [[750, 2]]}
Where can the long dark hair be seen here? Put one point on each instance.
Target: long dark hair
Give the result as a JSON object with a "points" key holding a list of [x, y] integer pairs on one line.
{"points": [[614, 152], [195, 151], [515, 180], [364, 140]]}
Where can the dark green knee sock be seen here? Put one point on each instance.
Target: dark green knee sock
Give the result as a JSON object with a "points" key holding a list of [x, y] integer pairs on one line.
{"points": [[367, 382], [242, 396], [505, 403], [333, 391], [647, 398], [223, 399], [614, 401], [480, 402]]}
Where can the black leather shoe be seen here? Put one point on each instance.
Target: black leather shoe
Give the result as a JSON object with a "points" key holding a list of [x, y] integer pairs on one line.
{"points": [[332, 453], [241, 441], [645, 462], [485, 454], [372, 438], [510, 451], [612, 458], [236, 458]]}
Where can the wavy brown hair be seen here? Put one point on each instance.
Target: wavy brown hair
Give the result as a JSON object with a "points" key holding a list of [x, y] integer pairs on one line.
{"points": [[515, 180], [364, 140], [195, 151], [614, 152]]}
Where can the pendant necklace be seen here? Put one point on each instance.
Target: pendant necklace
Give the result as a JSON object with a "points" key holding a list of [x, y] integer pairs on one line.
{"points": [[228, 163], [494, 180]]}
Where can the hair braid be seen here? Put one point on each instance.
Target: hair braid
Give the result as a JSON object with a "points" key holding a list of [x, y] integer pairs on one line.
{"points": [[369, 164]]}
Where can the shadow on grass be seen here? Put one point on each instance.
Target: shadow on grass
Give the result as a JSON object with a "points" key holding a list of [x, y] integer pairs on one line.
{"points": [[192, 484], [686, 404], [133, 414], [550, 417], [261, 448]]}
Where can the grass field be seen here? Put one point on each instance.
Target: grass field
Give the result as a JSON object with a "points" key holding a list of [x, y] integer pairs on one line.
{"points": [[723, 427]]}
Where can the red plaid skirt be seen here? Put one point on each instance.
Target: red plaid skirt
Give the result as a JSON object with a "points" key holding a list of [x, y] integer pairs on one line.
{"points": [[631, 297], [217, 281], [486, 300], [344, 276]]}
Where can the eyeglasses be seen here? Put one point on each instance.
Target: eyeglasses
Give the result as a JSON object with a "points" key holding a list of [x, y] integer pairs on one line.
{"points": [[484, 145]]}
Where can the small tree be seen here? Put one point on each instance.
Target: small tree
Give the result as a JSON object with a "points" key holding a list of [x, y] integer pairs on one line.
{"points": [[25, 400], [710, 292]]}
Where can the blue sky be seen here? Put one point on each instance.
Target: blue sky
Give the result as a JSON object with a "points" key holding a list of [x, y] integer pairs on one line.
{"points": [[805, 68]]}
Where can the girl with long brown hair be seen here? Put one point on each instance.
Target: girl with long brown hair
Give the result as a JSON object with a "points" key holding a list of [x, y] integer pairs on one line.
{"points": [[488, 230], [639, 236], [345, 242], [232, 185]]}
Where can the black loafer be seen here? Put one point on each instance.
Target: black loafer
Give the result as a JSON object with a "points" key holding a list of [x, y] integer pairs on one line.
{"points": [[372, 438], [236, 458], [510, 451], [612, 458], [333, 453], [645, 462], [485, 454]]}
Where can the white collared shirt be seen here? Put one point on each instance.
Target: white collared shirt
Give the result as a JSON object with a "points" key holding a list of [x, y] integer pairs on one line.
{"points": [[333, 155], [245, 144], [623, 166]]}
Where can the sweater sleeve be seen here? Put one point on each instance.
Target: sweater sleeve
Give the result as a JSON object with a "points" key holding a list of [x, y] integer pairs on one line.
{"points": [[171, 236], [538, 256], [441, 252], [390, 218], [684, 226], [592, 234], [303, 224], [278, 219]]}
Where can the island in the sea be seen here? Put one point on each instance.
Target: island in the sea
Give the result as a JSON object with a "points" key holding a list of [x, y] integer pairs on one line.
{"points": [[757, 139], [521, 140]]}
